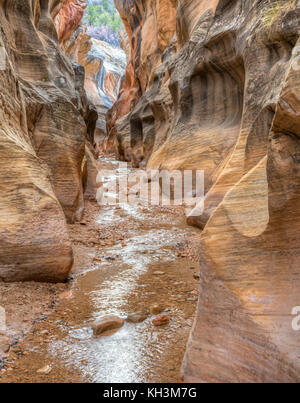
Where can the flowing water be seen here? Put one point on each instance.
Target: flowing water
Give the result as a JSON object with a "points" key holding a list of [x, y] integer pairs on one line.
{"points": [[127, 258]]}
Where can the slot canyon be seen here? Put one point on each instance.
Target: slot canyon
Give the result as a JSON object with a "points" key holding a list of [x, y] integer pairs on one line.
{"points": [[134, 291]]}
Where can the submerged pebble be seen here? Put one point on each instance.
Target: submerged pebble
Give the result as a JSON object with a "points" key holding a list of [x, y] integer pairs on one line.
{"points": [[106, 323]]}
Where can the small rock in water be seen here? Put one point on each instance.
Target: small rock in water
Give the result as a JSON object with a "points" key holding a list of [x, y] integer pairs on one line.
{"points": [[196, 276], [156, 309], [106, 323], [110, 258], [97, 259], [161, 320], [45, 370], [137, 317], [66, 294]]}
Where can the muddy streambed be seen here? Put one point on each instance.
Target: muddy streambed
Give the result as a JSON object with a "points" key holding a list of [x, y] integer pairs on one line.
{"points": [[127, 258]]}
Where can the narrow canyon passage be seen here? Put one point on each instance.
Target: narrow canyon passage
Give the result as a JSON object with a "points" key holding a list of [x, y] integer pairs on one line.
{"points": [[127, 259], [194, 89]]}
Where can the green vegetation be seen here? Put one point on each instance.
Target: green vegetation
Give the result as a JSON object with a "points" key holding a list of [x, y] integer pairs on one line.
{"points": [[103, 13], [276, 9]]}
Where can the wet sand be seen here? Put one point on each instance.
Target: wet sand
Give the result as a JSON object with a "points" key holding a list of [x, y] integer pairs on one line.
{"points": [[118, 252]]}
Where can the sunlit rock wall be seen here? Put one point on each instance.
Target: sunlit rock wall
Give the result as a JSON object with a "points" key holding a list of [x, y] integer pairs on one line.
{"points": [[104, 68], [224, 97], [42, 135]]}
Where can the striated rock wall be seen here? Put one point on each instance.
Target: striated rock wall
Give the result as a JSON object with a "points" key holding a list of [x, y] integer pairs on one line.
{"points": [[223, 96], [42, 136], [150, 26], [68, 18], [104, 68]]}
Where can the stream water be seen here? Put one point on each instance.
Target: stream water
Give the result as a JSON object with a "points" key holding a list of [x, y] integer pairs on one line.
{"points": [[127, 258]]}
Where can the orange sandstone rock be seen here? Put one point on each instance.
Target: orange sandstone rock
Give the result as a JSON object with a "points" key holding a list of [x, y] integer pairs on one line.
{"points": [[161, 320], [69, 17], [222, 97], [42, 138]]}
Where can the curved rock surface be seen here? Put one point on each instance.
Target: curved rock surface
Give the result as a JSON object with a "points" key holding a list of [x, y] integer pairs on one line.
{"points": [[42, 136], [150, 25], [68, 18], [104, 68], [223, 95]]}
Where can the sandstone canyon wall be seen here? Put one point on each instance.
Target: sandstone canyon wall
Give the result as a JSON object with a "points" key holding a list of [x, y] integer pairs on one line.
{"points": [[104, 68], [43, 125], [214, 85], [69, 17], [150, 26]]}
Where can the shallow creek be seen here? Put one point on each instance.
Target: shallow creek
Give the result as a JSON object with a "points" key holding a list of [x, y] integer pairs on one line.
{"points": [[118, 252]]}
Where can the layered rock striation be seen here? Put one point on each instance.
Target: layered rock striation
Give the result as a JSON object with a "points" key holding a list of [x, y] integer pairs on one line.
{"points": [[150, 27], [104, 67], [43, 125], [222, 95], [69, 18]]}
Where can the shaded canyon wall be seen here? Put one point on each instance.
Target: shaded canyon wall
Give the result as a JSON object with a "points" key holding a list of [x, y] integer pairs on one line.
{"points": [[43, 126], [150, 26], [214, 85], [69, 17]]}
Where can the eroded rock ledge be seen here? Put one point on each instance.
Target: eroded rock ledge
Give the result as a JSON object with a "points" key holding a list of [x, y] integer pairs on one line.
{"points": [[44, 118], [223, 95]]}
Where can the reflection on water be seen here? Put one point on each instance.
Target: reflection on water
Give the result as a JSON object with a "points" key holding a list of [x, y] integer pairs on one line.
{"points": [[122, 282]]}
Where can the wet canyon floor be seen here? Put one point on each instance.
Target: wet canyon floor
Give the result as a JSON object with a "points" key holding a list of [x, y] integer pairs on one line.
{"points": [[127, 258]]}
